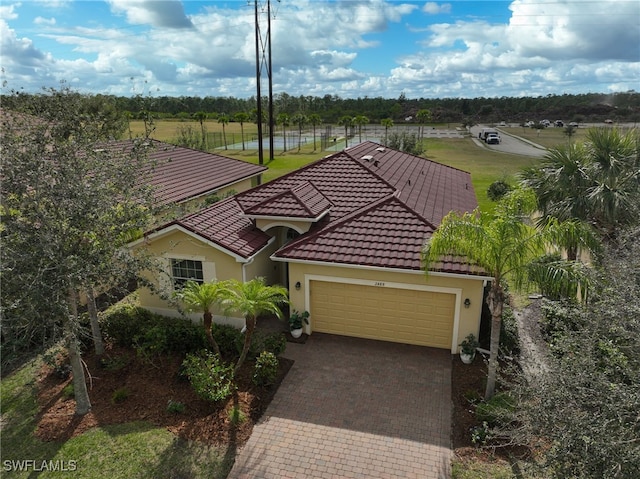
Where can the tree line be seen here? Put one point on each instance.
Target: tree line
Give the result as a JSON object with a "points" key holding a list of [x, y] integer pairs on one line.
{"points": [[622, 107]]}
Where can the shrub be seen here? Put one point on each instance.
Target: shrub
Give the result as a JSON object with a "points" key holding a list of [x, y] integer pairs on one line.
{"points": [[175, 407], [230, 341], [227, 337], [123, 323], [496, 410], [509, 340], [497, 190], [68, 391], [119, 395], [236, 416], [265, 370], [210, 378]]}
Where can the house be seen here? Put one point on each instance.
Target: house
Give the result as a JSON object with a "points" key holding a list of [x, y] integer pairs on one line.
{"points": [[344, 234], [185, 179]]}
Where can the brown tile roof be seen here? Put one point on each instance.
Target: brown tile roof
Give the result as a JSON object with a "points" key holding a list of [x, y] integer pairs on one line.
{"points": [[223, 223], [180, 174], [302, 201], [386, 234], [429, 188], [382, 209]]}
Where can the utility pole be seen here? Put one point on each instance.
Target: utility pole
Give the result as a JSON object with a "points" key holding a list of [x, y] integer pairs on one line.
{"points": [[262, 56]]}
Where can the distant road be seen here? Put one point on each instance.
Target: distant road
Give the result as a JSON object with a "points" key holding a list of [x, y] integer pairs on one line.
{"points": [[510, 143]]}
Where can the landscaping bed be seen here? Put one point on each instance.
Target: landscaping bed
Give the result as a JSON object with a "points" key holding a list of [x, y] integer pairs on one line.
{"points": [[130, 388]]}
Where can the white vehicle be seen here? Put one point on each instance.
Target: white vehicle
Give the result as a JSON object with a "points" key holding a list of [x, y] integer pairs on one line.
{"points": [[486, 131], [493, 139]]}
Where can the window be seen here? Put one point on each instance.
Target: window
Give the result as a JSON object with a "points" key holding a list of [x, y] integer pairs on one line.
{"points": [[183, 270]]}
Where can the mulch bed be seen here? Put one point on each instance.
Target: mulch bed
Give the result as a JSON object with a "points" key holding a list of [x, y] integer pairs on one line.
{"points": [[150, 386]]}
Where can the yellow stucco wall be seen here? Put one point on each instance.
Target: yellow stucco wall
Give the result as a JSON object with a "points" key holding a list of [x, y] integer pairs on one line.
{"points": [[468, 319]]}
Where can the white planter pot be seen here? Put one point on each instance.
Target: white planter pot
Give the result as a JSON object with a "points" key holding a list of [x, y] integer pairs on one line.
{"points": [[467, 358], [296, 333]]}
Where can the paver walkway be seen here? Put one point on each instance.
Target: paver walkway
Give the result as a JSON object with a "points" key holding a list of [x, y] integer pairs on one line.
{"points": [[354, 408]]}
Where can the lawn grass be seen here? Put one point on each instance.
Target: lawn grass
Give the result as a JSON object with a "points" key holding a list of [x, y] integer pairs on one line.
{"points": [[136, 449]]}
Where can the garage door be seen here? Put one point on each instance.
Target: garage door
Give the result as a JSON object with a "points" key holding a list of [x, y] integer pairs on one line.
{"points": [[390, 314]]}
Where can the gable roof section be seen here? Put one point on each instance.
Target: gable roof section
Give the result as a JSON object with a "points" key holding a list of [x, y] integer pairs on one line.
{"points": [[386, 234], [302, 201], [431, 189], [343, 181], [180, 174], [223, 224]]}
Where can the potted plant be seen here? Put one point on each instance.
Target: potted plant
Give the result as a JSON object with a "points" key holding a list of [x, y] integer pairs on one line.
{"points": [[468, 349], [297, 321]]}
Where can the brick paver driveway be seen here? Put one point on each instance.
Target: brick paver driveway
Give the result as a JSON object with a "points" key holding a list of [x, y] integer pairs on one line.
{"points": [[354, 408]]}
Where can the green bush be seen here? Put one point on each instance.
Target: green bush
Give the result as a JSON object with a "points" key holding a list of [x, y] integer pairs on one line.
{"points": [[175, 407], [210, 378], [265, 370], [123, 323], [497, 410], [509, 340], [119, 395], [498, 189], [227, 337]]}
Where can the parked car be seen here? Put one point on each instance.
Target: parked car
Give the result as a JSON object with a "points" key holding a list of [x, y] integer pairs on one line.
{"points": [[573, 124], [609, 122], [530, 124], [493, 139], [546, 123], [558, 123]]}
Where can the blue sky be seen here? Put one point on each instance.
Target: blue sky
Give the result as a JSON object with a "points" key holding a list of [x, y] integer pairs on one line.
{"points": [[349, 48]]}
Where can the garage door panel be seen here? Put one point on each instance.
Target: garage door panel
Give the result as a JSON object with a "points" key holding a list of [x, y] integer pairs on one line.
{"points": [[390, 314]]}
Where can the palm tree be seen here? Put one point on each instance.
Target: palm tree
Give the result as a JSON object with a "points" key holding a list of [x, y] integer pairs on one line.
{"points": [[202, 298], [423, 116], [241, 118], [503, 245], [346, 121], [597, 182], [300, 119], [251, 299], [284, 120], [315, 120], [201, 117], [387, 123], [223, 118], [359, 121]]}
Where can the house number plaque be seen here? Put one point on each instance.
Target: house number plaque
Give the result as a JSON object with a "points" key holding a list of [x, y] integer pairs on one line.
{"points": [[378, 283]]}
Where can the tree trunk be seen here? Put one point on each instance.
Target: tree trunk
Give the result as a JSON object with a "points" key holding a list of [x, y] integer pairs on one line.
{"points": [[208, 324], [251, 325], [495, 301], [95, 326], [83, 403]]}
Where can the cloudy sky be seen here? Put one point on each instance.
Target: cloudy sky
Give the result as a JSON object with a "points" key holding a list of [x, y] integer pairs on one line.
{"points": [[349, 48]]}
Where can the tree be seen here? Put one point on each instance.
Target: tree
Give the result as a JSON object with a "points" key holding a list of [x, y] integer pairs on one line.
{"points": [[584, 405], [315, 120], [423, 116], [241, 118], [202, 298], [300, 120], [251, 299], [597, 182], [360, 121], [347, 122], [284, 120], [201, 117], [503, 245], [223, 119], [69, 205], [387, 123]]}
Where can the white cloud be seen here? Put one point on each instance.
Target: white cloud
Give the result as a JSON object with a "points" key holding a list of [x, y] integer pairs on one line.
{"points": [[44, 21], [166, 13], [433, 8]]}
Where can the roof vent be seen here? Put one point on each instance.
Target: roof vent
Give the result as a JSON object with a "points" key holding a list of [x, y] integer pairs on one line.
{"points": [[367, 158], [376, 163], [380, 149]]}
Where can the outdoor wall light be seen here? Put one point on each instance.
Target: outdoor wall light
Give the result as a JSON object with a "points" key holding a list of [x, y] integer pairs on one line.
{"points": [[467, 303], [298, 285]]}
